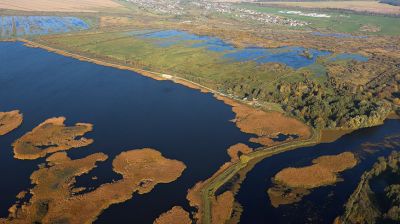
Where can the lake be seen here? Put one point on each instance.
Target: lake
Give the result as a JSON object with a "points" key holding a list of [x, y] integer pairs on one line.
{"points": [[128, 111]]}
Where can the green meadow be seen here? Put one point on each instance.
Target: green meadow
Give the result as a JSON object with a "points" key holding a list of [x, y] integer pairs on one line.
{"points": [[342, 22]]}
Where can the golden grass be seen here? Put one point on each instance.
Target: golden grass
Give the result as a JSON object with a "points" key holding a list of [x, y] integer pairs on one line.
{"points": [[116, 21], [322, 172], [292, 184], [147, 167], [55, 200], [337, 163], [307, 177], [236, 150], [59, 5], [280, 195], [360, 6], [177, 215], [329, 135], [194, 193], [9, 121], [266, 125], [49, 137], [222, 207]]}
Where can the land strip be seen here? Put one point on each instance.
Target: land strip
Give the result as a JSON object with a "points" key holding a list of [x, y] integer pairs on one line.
{"points": [[210, 188]]}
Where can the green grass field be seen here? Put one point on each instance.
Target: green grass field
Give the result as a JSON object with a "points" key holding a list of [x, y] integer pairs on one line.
{"points": [[196, 64], [339, 22]]}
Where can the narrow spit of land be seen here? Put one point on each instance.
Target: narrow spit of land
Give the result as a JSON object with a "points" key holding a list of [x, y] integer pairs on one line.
{"points": [[212, 185]]}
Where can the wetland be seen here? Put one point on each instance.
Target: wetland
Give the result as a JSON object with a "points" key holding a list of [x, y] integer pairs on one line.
{"points": [[236, 128], [197, 112], [156, 111]]}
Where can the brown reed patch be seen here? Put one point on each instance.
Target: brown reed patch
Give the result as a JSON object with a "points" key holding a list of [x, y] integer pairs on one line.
{"points": [[55, 200], [9, 121], [237, 150], [49, 137], [177, 215]]}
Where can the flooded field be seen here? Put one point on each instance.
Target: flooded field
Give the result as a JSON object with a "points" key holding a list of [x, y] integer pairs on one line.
{"points": [[16, 26], [294, 57]]}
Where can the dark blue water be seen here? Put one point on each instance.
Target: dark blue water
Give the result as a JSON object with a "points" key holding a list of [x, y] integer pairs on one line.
{"points": [[291, 56], [38, 25], [129, 111], [324, 203]]}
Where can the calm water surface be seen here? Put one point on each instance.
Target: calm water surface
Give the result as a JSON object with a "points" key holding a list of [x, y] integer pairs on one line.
{"points": [[129, 111], [324, 203], [293, 56]]}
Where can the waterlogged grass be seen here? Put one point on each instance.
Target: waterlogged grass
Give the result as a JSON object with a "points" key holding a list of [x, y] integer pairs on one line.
{"points": [[15, 26], [295, 57], [256, 68], [340, 22], [197, 64]]}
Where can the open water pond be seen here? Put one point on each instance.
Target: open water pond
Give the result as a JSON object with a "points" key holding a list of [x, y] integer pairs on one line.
{"points": [[128, 111], [324, 204], [295, 57], [16, 26]]}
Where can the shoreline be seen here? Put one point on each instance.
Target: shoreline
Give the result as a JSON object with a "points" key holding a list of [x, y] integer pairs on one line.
{"points": [[150, 74], [208, 191], [210, 188]]}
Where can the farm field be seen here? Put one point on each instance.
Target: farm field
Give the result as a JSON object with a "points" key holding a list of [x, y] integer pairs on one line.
{"points": [[341, 22], [358, 6], [59, 6]]}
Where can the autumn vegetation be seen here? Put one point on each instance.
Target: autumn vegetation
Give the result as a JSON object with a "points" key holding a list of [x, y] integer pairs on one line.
{"points": [[367, 206], [291, 184], [55, 200], [177, 215], [51, 136], [9, 121]]}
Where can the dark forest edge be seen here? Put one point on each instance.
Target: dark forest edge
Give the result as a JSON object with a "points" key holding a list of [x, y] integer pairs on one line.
{"points": [[367, 205]]}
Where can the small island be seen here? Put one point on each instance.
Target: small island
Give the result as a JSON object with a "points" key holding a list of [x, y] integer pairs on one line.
{"points": [[54, 199], [291, 184], [51, 136], [9, 121]]}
